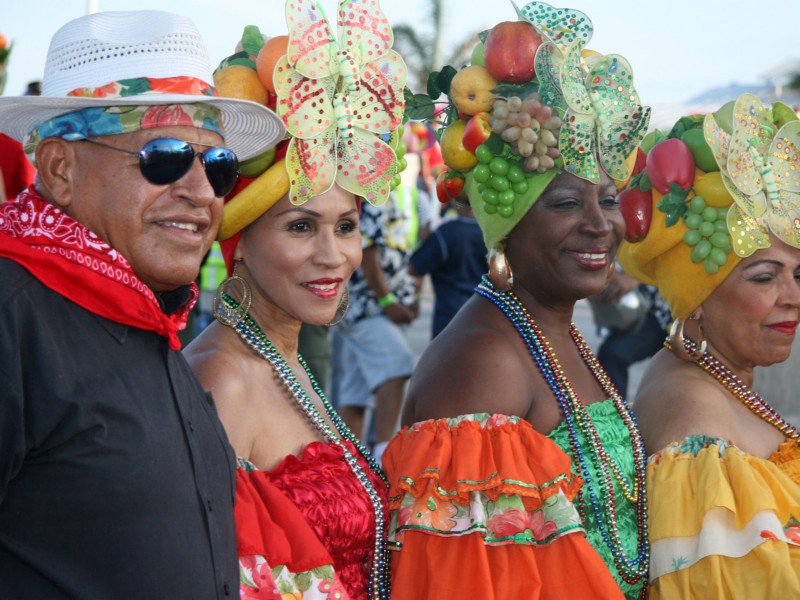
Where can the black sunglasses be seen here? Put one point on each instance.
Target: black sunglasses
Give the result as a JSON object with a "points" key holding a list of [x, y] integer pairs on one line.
{"points": [[166, 160]]}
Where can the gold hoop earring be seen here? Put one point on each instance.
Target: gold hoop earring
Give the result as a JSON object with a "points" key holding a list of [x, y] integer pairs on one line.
{"points": [[677, 341], [341, 311], [500, 273], [611, 272], [702, 344], [228, 315]]}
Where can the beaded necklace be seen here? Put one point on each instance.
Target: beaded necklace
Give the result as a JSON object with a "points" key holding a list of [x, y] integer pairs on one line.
{"points": [[602, 495], [757, 405], [253, 336]]}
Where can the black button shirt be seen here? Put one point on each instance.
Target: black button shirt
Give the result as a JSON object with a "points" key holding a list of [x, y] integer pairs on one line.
{"points": [[116, 477]]}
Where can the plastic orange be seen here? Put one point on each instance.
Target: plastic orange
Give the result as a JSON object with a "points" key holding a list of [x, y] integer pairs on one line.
{"points": [[3, 41], [268, 57], [238, 81]]}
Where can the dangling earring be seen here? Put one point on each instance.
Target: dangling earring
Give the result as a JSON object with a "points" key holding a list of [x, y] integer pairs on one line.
{"points": [[500, 271], [702, 344], [611, 272], [228, 315], [341, 311], [677, 341]]}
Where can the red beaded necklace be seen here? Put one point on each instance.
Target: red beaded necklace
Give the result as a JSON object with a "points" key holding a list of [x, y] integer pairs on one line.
{"points": [[757, 405]]}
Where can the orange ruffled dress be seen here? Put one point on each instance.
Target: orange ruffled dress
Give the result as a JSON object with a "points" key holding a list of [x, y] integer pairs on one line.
{"points": [[482, 507], [723, 523]]}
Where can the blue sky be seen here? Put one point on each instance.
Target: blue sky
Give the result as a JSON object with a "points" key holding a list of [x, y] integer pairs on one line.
{"points": [[678, 48]]}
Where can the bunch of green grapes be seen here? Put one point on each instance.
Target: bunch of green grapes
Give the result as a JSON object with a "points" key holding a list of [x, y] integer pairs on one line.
{"points": [[499, 180], [708, 234], [530, 128]]}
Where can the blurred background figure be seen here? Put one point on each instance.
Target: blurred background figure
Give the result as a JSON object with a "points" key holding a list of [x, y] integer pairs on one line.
{"points": [[454, 256], [372, 358], [634, 320], [16, 170]]}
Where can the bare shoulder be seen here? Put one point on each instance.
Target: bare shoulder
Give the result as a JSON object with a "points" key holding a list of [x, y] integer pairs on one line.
{"points": [[676, 399], [221, 368], [477, 364]]}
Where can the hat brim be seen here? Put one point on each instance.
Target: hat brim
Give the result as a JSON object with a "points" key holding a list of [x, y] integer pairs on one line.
{"points": [[250, 128]]}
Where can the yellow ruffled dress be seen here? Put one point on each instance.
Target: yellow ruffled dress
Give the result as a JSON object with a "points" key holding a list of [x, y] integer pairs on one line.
{"points": [[723, 523]]}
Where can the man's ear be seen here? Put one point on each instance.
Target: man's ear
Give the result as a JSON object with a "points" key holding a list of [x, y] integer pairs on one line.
{"points": [[55, 162]]}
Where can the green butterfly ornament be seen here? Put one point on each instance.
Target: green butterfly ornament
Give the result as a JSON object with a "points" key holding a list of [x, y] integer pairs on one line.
{"points": [[760, 167], [603, 117]]}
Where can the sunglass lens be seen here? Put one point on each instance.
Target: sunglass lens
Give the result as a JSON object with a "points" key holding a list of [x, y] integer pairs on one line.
{"points": [[165, 160], [222, 170]]}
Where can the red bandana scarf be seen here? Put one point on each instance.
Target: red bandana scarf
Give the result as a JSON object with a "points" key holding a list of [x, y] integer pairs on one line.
{"points": [[71, 260]]}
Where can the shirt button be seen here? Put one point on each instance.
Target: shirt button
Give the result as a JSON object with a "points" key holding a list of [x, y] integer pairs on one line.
{"points": [[227, 589], [209, 506]]}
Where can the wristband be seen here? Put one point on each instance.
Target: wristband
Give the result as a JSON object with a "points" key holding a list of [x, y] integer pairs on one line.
{"points": [[387, 300]]}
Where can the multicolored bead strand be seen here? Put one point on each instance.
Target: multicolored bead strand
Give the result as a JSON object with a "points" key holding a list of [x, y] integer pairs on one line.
{"points": [[253, 336], [601, 494], [714, 367]]}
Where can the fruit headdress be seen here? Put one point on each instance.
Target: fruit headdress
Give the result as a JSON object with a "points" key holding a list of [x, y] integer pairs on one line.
{"points": [[710, 194], [535, 103], [342, 102]]}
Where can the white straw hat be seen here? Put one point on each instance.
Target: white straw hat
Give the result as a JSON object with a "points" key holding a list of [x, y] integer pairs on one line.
{"points": [[106, 47]]}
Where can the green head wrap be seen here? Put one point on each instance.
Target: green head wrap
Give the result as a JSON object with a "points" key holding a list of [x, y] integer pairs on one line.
{"points": [[576, 111]]}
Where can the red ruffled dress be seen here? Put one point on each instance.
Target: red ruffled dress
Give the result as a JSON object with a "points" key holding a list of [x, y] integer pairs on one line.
{"points": [[306, 529]]}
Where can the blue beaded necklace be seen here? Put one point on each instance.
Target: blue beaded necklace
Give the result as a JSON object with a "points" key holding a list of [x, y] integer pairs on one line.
{"points": [[601, 494], [253, 336]]}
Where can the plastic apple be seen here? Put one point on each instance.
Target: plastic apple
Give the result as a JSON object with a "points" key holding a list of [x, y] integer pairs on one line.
{"points": [[509, 51], [476, 131]]}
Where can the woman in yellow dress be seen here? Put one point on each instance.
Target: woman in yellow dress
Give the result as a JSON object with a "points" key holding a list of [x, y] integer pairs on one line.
{"points": [[723, 247]]}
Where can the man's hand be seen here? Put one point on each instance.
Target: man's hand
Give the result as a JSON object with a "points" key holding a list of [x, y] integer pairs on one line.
{"points": [[399, 313]]}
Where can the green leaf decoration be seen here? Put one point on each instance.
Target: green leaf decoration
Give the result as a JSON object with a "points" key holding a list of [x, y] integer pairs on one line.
{"points": [[483, 35], [240, 58], [644, 182], [506, 90], [252, 40], [651, 139], [323, 572], [494, 143], [686, 123], [431, 504], [634, 180], [443, 80], [673, 204], [432, 87], [419, 107], [782, 114]]}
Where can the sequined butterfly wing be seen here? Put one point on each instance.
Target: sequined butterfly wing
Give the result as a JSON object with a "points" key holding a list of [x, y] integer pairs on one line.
{"points": [[547, 63], [622, 120], [753, 131], [364, 30], [747, 234], [561, 26], [312, 48], [577, 135], [307, 109], [378, 104], [784, 162]]}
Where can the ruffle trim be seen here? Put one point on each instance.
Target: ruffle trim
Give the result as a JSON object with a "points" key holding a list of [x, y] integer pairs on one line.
{"points": [[708, 498], [492, 474], [258, 580]]}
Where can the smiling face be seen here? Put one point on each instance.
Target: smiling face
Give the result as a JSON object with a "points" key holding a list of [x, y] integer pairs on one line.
{"points": [[298, 259], [563, 248], [164, 231], [751, 318]]}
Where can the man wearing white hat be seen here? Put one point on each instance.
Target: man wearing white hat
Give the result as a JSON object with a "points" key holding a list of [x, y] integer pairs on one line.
{"points": [[116, 478]]}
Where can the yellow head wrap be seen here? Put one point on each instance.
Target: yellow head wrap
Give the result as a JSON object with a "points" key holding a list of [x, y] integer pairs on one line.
{"points": [[729, 159]]}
